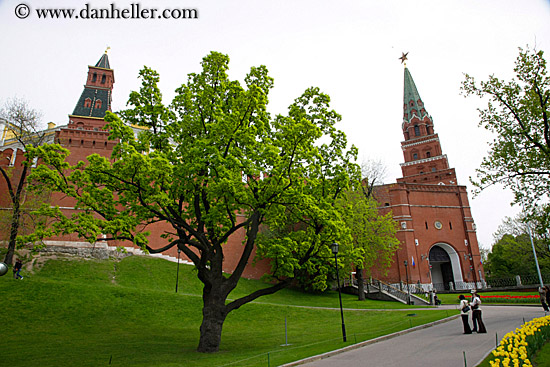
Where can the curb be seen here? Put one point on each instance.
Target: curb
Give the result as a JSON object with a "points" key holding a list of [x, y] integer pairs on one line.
{"points": [[367, 342]]}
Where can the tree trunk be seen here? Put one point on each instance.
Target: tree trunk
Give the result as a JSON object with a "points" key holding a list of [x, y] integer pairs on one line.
{"points": [[213, 316], [16, 201], [13, 234], [360, 283]]}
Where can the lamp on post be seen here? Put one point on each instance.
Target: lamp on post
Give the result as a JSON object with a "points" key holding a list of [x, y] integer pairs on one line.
{"points": [[408, 288], [178, 271], [334, 248]]}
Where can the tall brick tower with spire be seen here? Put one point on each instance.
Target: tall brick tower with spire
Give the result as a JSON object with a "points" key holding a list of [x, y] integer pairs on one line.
{"points": [[439, 247], [424, 159]]}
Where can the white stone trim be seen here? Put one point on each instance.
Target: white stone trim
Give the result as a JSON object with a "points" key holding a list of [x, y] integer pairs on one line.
{"points": [[424, 160]]}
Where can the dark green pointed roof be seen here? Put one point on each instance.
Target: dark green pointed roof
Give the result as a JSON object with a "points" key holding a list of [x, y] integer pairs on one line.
{"points": [[92, 109], [412, 103], [103, 62]]}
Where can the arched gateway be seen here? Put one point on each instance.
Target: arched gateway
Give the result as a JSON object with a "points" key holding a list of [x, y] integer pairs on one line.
{"points": [[445, 266]]}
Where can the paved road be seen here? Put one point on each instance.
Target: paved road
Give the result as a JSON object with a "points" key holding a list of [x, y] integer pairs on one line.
{"points": [[439, 345]]}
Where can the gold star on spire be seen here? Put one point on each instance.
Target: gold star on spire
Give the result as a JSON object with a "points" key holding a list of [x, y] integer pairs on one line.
{"points": [[108, 48], [403, 58]]}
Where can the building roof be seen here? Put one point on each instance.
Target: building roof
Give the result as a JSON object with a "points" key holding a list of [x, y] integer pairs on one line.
{"points": [[93, 94], [103, 62], [412, 103]]}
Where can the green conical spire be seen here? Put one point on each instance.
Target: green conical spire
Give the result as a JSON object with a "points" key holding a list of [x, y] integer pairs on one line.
{"points": [[412, 103]]}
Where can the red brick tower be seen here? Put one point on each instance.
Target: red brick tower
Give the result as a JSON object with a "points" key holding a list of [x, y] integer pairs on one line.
{"points": [[437, 233], [84, 134], [424, 160]]}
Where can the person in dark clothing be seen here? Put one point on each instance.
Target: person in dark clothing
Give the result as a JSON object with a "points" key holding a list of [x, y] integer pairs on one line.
{"points": [[465, 314], [476, 314], [543, 294], [17, 269], [547, 295]]}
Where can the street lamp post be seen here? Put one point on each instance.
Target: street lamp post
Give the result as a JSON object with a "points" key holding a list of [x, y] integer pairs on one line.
{"points": [[535, 254], [408, 288], [334, 248], [178, 271]]}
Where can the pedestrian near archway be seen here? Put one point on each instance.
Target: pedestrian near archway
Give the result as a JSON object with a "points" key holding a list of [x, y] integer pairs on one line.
{"points": [[465, 314], [479, 326]]}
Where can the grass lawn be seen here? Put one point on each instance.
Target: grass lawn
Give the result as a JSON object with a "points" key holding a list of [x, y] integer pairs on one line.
{"points": [[93, 313], [543, 356]]}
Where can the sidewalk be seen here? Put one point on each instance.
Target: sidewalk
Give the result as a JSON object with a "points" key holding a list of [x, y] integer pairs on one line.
{"points": [[443, 344]]}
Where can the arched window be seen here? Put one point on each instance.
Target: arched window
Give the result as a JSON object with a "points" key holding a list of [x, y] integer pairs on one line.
{"points": [[416, 130], [103, 78], [94, 77], [87, 103], [428, 154], [415, 156], [98, 103]]}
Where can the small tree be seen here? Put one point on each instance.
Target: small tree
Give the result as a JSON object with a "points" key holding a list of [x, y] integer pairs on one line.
{"points": [[373, 236], [212, 163], [518, 113], [23, 131], [373, 173]]}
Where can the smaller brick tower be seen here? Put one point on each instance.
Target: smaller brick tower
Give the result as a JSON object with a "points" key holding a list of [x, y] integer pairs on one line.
{"points": [[84, 134], [439, 246]]}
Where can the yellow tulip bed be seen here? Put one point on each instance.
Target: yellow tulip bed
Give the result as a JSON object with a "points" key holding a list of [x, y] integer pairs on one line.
{"points": [[518, 347]]}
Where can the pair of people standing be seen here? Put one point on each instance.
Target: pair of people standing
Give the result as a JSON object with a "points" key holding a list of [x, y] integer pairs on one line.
{"points": [[474, 307]]}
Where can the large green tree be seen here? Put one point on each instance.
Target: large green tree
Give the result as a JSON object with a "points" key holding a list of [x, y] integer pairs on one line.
{"points": [[518, 114], [210, 164]]}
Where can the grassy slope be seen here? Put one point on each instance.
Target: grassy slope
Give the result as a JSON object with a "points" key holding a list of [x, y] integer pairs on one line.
{"points": [[90, 313]]}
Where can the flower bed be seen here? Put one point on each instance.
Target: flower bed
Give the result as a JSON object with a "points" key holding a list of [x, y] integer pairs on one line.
{"points": [[508, 299], [518, 347]]}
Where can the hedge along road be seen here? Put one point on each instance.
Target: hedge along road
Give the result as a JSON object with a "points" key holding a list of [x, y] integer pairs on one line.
{"points": [[442, 344]]}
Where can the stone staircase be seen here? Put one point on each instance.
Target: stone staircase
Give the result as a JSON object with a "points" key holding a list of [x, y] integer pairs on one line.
{"points": [[377, 289]]}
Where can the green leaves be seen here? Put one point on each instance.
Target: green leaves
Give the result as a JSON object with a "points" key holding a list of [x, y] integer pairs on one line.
{"points": [[373, 236], [518, 114]]}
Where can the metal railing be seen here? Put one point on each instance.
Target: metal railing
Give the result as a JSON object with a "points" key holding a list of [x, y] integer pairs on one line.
{"points": [[397, 291], [388, 289], [518, 281]]}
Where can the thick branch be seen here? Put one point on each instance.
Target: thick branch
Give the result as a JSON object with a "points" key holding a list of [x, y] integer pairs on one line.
{"points": [[259, 293]]}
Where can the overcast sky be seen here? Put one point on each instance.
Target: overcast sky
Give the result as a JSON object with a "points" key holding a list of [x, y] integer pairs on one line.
{"points": [[349, 49]]}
